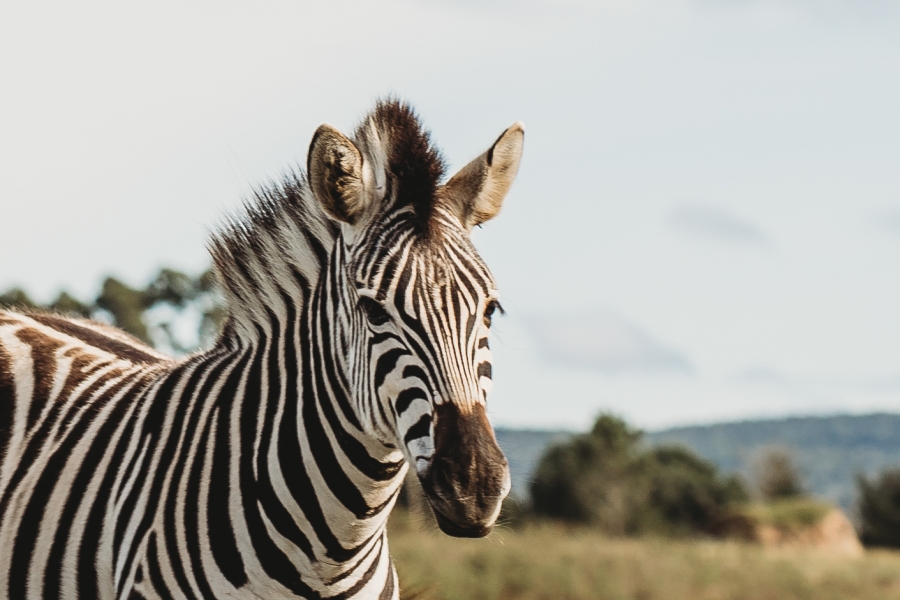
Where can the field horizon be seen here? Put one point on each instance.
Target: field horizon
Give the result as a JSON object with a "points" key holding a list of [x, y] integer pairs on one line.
{"points": [[553, 561]]}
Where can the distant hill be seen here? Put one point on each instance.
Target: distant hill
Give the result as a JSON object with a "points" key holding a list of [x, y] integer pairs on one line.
{"points": [[830, 451], [523, 449]]}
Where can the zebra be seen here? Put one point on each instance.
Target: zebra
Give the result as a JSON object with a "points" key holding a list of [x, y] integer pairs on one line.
{"points": [[355, 347]]}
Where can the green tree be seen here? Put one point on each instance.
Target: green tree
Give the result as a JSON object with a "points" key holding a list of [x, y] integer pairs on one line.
{"points": [[66, 304], [607, 478], [588, 479], [17, 299], [879, 509], [777, 476], [687, 494], [126, 306], [130, 309]]}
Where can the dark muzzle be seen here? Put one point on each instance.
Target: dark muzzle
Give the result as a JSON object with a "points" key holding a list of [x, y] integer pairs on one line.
{"points": [[468, 477]]}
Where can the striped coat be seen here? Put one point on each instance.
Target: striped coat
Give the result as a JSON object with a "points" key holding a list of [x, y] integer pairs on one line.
{"points": [[356, 344]]}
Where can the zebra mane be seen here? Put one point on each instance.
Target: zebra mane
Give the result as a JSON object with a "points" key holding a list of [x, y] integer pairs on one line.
{"points": [[273, 250], [394, 130], [271, 254]]}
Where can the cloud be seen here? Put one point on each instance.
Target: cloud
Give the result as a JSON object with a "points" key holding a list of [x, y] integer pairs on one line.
{"points": [[888, 221], [715, 224], [763, 376], [603, 342], [774, 378]]}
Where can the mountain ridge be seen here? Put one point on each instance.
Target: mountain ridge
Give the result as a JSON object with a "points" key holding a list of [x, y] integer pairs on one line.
{"points": [[829, 451]]}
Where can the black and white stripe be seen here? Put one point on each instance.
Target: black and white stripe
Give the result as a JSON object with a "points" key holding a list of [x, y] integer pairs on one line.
{"points": [[266, 467]]}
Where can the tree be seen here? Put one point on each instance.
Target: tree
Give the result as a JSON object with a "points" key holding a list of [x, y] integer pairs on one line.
{"points": [[126, 305], [608, 479], [136, 311], [777, 476], [588, 479], [686, 493], [66, 304], [879, 509], [17, 299]]}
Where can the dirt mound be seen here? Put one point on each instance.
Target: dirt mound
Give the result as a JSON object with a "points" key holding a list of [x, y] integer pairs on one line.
{"points": [[832, 532]]}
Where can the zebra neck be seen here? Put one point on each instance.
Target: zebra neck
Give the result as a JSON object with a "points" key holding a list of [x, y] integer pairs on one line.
{"points": [[305, 486], [355, 461], [269, 259], [310, 467]]}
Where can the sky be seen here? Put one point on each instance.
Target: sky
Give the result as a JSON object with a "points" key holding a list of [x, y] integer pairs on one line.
{"points": [[706, 222]]}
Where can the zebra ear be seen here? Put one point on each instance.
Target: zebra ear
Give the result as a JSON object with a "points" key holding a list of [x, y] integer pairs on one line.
{"points": [[476, 192], [335, 168]]}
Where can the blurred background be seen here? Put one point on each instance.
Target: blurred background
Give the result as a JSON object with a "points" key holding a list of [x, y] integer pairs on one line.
{"points": [[705, 228], [706, 224]]}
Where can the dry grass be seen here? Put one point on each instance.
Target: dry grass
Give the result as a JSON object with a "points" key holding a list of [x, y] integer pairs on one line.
{"points": [[553, 562]]}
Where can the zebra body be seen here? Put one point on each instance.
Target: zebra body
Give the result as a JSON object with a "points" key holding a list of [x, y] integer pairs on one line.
{"points": [[266, 467]]}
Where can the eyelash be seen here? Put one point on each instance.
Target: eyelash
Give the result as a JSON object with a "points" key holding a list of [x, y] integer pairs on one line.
{"points": [[489, 311], [376, 313]]}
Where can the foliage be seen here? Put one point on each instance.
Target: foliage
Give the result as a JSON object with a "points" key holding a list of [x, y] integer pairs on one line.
{"points": [[558, 561], [789, 514], [879, 509], [135, 310], [17, 299], [777, 476], [126, 305], [686, 493], [608, 479], [68, 305], [828, 451], [592, 478]]}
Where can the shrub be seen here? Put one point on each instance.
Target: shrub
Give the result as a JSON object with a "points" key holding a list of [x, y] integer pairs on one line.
{"points": [[17, 299], [879, 509], [590, 478], [777, 476], [686, 492], [606, 478], [129, 308], [789, 514]]}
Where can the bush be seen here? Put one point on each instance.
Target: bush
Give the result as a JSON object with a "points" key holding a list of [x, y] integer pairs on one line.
{"points": [[686, 493], [790, 514], [879, 509], [590, 479], [129, 308], [606, 478], [777, 476]]}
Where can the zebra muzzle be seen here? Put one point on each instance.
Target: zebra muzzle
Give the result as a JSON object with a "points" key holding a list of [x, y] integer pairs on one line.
{"points": [[468, 477]]}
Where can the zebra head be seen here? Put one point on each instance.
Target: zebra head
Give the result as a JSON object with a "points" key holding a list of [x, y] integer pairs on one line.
{"points": [[418, 301]]}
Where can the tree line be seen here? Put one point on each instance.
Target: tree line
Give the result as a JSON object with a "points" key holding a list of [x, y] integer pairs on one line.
{"points": [[151, 314], [610, 479], [606, 478]]}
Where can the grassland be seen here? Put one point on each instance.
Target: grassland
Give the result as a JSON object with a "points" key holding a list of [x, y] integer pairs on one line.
{"points": [[553, 562]]}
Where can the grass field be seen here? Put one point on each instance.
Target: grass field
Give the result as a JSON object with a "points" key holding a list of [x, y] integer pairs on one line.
{"points": [[553, 562]]}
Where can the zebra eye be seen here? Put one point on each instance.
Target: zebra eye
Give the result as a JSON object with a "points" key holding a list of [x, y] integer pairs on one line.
{"points": [[374, 311], [489, 311]]}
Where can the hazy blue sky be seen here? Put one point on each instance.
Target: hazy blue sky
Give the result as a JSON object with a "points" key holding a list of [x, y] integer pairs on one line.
{"points": [[706, 224]]}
